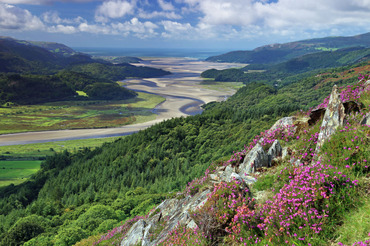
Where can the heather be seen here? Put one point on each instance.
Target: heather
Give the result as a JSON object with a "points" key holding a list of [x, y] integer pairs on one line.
{"points": [[305, 197], [75, 193]]}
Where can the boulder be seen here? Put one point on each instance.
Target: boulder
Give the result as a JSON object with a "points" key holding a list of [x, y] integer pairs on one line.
{"points": [[286, 121], [333, 118], [284, 153], [135, 234], [365, 120], [172, 212], [256, 158], [274, 151]]}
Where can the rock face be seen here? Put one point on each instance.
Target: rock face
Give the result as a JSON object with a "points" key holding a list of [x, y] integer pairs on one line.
{"points": [[365, 120], [274, 151], [286, 121], [256, 158], [333, 118], [168, 214]]}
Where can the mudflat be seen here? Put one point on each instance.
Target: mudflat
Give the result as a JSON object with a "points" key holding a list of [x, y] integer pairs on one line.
{"points": [[182, 90]]}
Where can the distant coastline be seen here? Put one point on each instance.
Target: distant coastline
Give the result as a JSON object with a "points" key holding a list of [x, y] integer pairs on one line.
{"points": [[200, 54]]}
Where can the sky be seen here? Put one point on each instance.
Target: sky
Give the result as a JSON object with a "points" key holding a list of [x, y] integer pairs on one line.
{"points": [[192, 24]]}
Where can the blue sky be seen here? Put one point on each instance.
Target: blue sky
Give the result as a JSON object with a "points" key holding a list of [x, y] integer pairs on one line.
{"points": [[203, 24]]}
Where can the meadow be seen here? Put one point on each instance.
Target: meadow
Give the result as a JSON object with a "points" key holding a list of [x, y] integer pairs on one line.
{"points": [[78, 114], [19, 162], [16, 172]]}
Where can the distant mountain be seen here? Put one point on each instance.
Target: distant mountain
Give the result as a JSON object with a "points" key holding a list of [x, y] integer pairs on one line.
{"points": [[26, 57], [37, 72], [56, 48], [276, 53]]}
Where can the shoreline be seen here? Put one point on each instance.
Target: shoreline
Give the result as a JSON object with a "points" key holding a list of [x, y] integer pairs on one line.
{"points": [[182, 90]]}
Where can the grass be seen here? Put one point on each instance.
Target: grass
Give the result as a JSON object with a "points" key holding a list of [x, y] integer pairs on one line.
{"points": [[82, 93], [16, 172], [40, 150], [24, 160], [356, 225], [78, 114], [220, 86]]}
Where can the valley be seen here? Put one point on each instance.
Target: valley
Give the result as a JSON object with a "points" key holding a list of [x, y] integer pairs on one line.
{"points": [[182, 91]]}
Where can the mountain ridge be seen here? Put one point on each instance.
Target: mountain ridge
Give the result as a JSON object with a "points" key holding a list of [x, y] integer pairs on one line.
{"points": [[275, 53]]}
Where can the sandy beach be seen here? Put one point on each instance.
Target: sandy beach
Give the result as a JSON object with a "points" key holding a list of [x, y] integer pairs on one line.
{"points": [[182, 90]]}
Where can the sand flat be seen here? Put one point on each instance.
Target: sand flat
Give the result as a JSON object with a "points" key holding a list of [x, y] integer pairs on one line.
{"points": [[181, 89]]}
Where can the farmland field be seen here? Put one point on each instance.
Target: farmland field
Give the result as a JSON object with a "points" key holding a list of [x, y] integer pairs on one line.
{"points": [[78, 114], [16, 172]]}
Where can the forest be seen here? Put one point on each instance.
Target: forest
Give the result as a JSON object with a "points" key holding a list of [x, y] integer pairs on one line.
{"points": [[75, 196], [32, 73]]}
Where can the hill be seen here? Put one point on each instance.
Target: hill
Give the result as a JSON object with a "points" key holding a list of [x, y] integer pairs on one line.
{"points": [[56, 48], [276, 53], [53, 66], [285, 72], [75, 196]]}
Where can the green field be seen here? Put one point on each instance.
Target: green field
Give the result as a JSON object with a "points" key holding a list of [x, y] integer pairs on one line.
{"points": [[78, 114], [208, 83], [16, 172], [40, 150]]}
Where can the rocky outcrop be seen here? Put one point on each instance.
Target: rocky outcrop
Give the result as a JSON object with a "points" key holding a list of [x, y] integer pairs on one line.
{"points": [[274, 151], [286, 121], [365, 120], [256, 158], [169, 214], [333, 118]]}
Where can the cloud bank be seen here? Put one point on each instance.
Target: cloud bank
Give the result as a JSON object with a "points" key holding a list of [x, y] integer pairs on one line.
{"points": [[195, 19]]}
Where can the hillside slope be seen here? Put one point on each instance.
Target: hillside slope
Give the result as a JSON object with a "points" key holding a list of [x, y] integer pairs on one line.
{"points": [[82, 195], [294, 184], [276, 53]]}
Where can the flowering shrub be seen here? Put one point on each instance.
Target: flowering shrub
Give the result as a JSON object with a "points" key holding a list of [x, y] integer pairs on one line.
{"points": [[185, 236], [117, 234]]}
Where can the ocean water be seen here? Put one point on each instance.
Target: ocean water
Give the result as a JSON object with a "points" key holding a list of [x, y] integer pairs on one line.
{"points": [[200, 54]]}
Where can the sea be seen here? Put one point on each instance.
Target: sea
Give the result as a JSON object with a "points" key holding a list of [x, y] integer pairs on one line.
{"points": [[200, 54]]}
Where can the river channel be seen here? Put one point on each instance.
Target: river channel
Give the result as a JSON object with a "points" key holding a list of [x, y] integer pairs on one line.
{"points": [[182, 90]]}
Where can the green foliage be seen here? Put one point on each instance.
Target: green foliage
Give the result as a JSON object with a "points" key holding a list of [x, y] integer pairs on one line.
{"points": [[116, 72], [69, 236], [108, 91], [33, 89], [277, 53], [25, 229]]}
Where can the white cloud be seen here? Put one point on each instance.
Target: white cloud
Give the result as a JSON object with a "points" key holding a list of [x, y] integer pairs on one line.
{"points": [[53, 17], [113, 9], [156, 14], [39, 2], [282, 17], [166, 6], [176, 30], [62, 29], [15, 18], [135, 27], [97, 29]]}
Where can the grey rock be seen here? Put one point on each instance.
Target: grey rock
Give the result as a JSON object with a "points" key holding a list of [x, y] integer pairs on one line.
{"points": [[174, 211], [256, 158], [286, 121], [214, 177], [225, 176], [333, 118], [365, 120], [274, 151], [135, 234]]}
